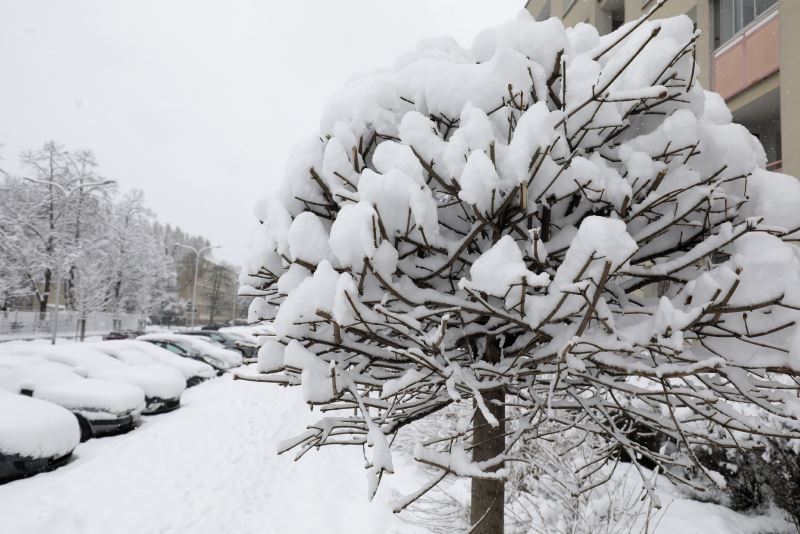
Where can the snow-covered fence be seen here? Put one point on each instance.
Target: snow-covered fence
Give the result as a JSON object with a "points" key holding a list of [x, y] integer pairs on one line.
{"points": [[29, 324], [168, 321]]}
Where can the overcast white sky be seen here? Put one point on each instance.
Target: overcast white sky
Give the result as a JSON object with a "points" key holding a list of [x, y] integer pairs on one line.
{"points": [[197, 103]]}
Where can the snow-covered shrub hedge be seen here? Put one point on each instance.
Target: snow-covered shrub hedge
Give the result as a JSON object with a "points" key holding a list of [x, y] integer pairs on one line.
{"points": [[754, 478], [492, 223], [780, 470], [744, 485]]}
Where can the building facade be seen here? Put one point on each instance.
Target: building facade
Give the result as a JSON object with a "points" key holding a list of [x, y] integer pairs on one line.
{"points": [[217, 288], [747, 51]]}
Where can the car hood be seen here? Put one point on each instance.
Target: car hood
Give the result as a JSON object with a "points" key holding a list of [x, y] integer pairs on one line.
{"points": [[94, 395]]}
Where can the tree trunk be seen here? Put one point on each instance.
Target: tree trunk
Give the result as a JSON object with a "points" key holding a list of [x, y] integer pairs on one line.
{"points": [[488, 496], [45, 295]]}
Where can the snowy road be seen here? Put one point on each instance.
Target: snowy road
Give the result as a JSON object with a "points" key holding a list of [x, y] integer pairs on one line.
{"points": [[208, 467]]}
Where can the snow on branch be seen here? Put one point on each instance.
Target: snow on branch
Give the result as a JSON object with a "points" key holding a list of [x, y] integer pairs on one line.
{"points": [[551, 221]]}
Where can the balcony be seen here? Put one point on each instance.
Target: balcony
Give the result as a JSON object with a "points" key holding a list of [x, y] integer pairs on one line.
{"points": [[775, 166], [749, 57]]}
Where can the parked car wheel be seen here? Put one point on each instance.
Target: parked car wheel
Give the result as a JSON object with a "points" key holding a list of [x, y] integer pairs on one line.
{"points": [[86, 428]]}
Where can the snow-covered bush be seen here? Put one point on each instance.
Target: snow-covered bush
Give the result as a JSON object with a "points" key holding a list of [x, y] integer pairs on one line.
{"points": [[492, 223], [744, 486], [755, 477], [780, 469], [546, 493], [553, 494]]}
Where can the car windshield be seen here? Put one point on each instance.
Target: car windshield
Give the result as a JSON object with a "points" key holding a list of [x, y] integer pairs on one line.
{"points": [[212, 340], [172, 347]]}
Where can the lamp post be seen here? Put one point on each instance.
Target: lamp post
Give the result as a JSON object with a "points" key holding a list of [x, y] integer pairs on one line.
{"points": [[233, 308], [54, 327], [197, 255]]}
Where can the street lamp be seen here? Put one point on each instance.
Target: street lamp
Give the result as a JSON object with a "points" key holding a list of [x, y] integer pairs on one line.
{"points": [[197, 255], [235, 299]]}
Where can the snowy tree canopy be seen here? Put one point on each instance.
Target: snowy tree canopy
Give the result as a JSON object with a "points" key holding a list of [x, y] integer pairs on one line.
{"points": [[62, 220], [567, 219]]}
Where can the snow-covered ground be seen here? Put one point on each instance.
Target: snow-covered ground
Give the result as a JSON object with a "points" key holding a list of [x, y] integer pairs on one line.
{"points": [[208, 467], [211, 467]]}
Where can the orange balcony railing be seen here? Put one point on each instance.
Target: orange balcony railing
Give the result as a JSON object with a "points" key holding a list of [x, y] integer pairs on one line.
{"points": [[749, 57], [775, 166]]}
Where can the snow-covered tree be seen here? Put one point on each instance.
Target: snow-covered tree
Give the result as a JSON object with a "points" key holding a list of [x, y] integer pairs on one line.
{"points": [[45, 215], [551, 221], [12, 284], [140, 268], [61, 220], [33, 218]]}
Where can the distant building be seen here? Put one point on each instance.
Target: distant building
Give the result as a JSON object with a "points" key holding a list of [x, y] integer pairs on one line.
{"points": [[217, 286], [748, 51]]}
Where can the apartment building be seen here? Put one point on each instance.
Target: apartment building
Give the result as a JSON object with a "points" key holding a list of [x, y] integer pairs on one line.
{"points": [[747, 52], [217, 288]]}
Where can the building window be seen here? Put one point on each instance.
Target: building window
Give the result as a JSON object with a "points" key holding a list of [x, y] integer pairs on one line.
{"points": [[544, 13], [732, 16]]}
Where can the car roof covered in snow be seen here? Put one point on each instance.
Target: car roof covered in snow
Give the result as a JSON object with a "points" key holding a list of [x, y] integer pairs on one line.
{"points": [[136, 352]]}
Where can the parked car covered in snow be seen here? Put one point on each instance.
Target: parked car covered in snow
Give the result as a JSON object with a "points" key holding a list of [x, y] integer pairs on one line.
{"points": [[162, 385], [102, 407], [230, 340], [35, 436], [196, 347], [122, 334], [135, 352], [247, 345]]}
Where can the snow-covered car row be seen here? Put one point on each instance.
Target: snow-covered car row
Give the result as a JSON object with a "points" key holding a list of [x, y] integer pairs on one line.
{"points": [[53, 396], [101, 407]]}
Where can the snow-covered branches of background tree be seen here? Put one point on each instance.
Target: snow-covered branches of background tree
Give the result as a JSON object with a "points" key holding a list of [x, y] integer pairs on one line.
{"points": [[61, 218], [565, 228]]}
